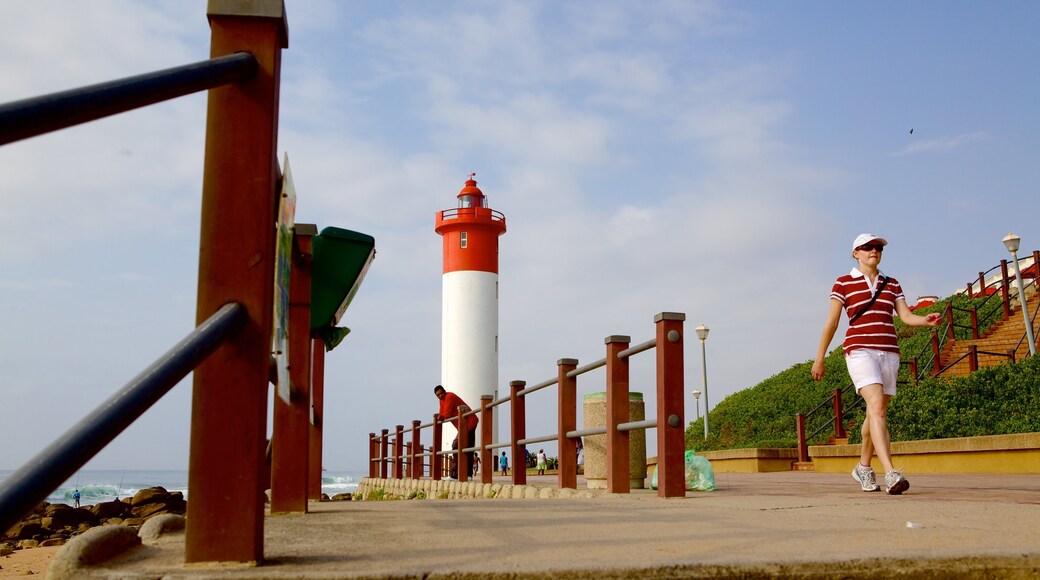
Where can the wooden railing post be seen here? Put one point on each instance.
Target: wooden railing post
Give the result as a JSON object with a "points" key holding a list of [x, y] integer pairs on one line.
{"points": [[618, 451], [567, 420], [291, 422], [317, 414], [936, 363], [372, 455], [974, 323], [1005, 288], [399, 452], [973, 357], [436, 461], [803, 445], [414, 460], [236, 264], [839, 415], [518, 416], [913, 371], [384, 448], [671, 422], [487, 427], [982, 285], [461, 457]]}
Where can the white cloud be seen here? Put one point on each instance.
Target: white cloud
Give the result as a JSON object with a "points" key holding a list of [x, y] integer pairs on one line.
{"points": [[942, 144]]}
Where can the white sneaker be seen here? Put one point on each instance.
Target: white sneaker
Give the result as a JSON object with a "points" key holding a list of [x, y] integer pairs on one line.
{"points": [[864, 475], [895, 483]]}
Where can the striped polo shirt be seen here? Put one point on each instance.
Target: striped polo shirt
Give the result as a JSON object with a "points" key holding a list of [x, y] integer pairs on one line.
{"points": [[874, 329]]}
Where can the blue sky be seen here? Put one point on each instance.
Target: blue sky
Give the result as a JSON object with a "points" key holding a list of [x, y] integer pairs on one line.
{"points": [[712, 158]]}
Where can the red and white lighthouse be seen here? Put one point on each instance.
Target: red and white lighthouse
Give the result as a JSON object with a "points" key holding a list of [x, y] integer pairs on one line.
{"points": [[469, 296]]}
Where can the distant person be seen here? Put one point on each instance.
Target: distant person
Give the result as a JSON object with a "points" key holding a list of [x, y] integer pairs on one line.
{"points": [[75, 498], [503, 463], [476, 464], [871, 351], [542, 460], [449, 409]]}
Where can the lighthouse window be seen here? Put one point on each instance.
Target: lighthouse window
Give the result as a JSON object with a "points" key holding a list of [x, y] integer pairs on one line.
{"points": [[462, 240], [465, 201]]}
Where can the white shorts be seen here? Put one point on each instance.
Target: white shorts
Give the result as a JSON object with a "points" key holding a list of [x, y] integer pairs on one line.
{"points": [[873, 367]]}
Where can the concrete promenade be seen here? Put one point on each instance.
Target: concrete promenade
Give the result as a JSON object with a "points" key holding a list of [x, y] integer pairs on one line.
{"points": [[788, 524]]}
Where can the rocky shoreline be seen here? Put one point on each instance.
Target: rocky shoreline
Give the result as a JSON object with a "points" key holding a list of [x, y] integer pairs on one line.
{"points": [[53, 524]]}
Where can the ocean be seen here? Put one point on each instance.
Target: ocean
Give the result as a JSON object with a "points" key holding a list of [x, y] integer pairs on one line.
{"points": [[99, 485]]}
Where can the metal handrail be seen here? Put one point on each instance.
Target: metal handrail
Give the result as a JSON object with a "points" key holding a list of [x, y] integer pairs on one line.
{"points": [[44, 114], [27, 487]]}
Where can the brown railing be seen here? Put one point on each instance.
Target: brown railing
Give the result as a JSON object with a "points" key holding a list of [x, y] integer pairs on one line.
{"points": [[409, 459], [236, 263]]}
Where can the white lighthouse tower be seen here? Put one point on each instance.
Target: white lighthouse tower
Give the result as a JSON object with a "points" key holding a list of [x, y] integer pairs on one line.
{"points": [[469, 298]]}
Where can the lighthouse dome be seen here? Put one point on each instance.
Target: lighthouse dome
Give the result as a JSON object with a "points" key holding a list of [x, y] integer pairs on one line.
{"points": [[470, 195]]}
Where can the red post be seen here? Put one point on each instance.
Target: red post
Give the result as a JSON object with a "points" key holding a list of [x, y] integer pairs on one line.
{"points": [[982, 285], [671, 421], [618, 451], [949, 322], [436, 462], [372, 455], [399, 452], [487, 464], [1005, 288], [803, 445], [408, 464], [383, 456], [973, 357], [461, 457], [913, 371], [518, 418], [936, 363], [291, 425], [317, 413], [839, 415], [567, 402], [236, 264], [975, 323], [415, 459]]}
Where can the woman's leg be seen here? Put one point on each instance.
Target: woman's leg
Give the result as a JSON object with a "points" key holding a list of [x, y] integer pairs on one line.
{"points": [[876, 426]]}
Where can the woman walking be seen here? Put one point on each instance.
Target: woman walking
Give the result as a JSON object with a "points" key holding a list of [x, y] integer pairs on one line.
{"points": [[871, 351]]}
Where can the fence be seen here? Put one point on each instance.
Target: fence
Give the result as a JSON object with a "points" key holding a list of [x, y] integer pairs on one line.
{"points": [[991, 301], [409, 459], [230, 350]]}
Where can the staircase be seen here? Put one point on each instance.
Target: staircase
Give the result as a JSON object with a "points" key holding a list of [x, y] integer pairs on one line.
{"points": [[1001, 338]]}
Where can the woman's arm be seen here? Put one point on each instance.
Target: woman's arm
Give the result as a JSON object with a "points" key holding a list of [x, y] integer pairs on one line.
{"points": [[829, 328], [911, 319]]}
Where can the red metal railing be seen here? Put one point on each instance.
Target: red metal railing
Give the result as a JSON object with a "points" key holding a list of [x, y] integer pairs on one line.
{"points": [[669, 422]]}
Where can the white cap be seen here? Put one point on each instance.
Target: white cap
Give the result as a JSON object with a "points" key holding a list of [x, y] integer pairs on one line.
{"points": [[866, 239]]}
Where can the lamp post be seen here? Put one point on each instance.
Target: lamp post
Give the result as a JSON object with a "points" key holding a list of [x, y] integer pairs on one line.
{"points": [[702, 334], [697, 403], [1012, 242]]}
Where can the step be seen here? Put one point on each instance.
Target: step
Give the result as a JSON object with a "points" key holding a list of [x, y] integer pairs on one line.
{"points": [[803, 466]]}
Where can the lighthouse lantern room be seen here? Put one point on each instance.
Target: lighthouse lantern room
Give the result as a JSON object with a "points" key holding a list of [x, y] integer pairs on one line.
{"points": [[469, 297]]}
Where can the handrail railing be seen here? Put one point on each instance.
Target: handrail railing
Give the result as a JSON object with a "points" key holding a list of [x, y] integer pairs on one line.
{"points": [[31, 484], [38, 115], [669, 421]]}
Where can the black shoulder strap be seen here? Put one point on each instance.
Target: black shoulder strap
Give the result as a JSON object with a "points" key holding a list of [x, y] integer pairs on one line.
{"points": [[884, 281]]}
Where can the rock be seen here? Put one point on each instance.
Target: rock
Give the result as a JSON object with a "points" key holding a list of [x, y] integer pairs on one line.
{"points": [[150, 495], [52, 542], [62, 515], [23, 544], [23, 530], [339, 497], [109, 509], [133, 522], [6, 549]]}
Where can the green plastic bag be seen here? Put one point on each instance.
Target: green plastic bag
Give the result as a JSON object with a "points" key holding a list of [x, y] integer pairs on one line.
{"points": [[699, 474]]}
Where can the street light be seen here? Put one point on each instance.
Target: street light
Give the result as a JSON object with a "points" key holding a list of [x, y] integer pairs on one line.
{"points": [[697, 403], [1012, 242], [702, 333]]}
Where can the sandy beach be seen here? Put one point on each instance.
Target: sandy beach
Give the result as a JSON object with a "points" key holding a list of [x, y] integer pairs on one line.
{"points": [[27, 562]]}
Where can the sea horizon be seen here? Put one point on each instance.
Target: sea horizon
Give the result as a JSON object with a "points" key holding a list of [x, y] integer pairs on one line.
{"points": [[101, 485]]}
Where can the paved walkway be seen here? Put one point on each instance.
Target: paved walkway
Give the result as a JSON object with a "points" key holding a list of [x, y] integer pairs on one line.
{"points": [[782, 524]]}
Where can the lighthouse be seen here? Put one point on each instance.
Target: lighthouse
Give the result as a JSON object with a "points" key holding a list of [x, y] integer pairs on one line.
{"points": [[469, 297]]}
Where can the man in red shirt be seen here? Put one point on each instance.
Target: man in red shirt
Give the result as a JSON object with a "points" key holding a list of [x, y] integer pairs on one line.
{"points": [[449, 409]]}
